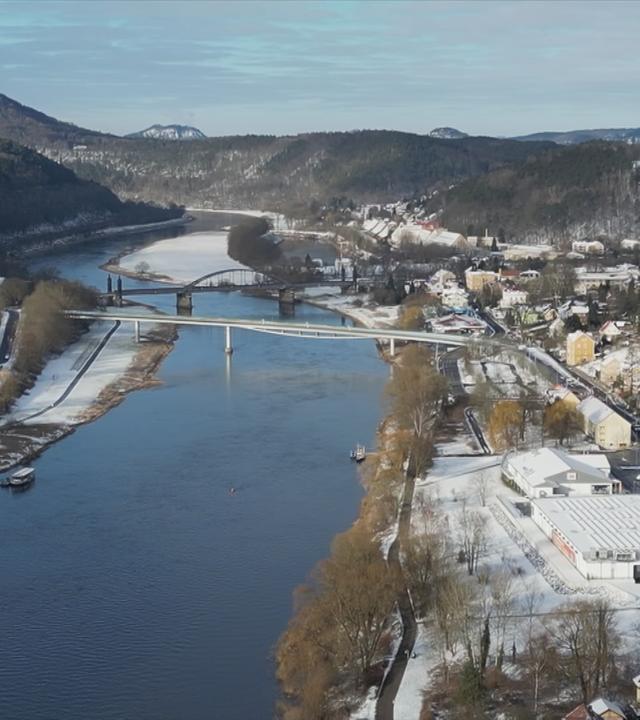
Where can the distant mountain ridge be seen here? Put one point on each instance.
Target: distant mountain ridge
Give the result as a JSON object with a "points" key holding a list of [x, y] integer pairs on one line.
{"points": [[170, 132], [572, 137], [40, 199], [263, 170], [585, 190], [23, 125]]}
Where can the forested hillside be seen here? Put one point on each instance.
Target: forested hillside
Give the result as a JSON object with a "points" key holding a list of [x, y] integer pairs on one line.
{"points": [[38, 196], [578, 191], [260, 171]]}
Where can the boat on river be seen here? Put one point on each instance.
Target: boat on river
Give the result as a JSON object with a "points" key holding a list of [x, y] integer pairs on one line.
{"points": [[359, 454], [22, 477]]}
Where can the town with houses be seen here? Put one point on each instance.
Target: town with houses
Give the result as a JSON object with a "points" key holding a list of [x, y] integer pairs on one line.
{"points": [[542, 425]]}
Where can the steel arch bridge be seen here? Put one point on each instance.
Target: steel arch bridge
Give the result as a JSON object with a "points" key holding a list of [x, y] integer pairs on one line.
{"points": [[230, 279], [233, 278]]}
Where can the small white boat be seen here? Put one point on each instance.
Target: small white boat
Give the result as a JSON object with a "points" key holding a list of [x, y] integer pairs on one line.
{"points": [[21, 477], [359, 454]]}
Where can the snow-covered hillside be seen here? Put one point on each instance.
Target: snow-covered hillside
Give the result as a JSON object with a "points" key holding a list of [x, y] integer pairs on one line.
{"points": [[170, 132], [447, 133]]}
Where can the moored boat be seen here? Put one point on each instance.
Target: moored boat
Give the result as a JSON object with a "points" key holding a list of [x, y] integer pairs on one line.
{"points": [[21, 477], [359, 454]]}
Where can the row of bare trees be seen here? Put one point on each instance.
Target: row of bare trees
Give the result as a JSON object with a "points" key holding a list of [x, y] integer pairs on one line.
{"points": [[482, 617], [417, 391], [341, 626], [43, 329]]}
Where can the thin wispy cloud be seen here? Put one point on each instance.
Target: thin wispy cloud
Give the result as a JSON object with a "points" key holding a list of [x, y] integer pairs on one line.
{"points": [[281, 67]]}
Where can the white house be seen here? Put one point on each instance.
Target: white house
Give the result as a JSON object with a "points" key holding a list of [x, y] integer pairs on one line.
{"points": [[458, 324], [454, 297], [614, 277], [441, 279], [417, 235], [610, 331], [590, 247], [511, 297], [548, 472], [629, 244], [529, 274]]}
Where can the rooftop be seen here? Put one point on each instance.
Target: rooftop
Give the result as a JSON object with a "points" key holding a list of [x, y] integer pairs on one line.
{"points": [[537, 466], [594, 410], [596, 522]]}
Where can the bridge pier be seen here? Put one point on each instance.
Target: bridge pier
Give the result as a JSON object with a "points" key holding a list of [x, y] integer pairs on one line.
{"points": [[286, 301], [228, 347], [136, 330], [392, 347], [184, 303]]}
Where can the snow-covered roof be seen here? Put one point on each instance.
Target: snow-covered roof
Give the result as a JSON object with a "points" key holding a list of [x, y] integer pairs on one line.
{"points": [[538, 465], [572, 337], [559, 392], [594, 410], [597, 460], [602, 705], [419, 235], [458, 321], [610, 328], [596, 522]]}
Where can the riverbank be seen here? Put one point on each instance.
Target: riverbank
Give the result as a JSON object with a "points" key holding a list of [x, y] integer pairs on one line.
{"points": [[33, 247], [177, 260], [384, 518], [92, 376], [181, 260]]}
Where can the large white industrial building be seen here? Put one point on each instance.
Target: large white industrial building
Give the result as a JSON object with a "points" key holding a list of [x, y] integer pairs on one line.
{"points": [[600, 535]]}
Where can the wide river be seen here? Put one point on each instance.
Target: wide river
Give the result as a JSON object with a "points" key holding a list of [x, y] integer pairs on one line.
{"points": [[132, 585]]}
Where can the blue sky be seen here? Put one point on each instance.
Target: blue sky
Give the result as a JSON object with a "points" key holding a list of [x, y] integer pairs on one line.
{"points": [[498, 68]]}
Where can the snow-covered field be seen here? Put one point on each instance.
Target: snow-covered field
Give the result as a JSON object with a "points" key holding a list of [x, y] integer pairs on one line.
{"points": [[358, 309], [514, 543], [507, 372], [111, 363], [184, 258]]}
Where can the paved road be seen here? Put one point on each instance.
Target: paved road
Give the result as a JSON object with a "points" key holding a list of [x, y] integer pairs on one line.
{"points": [[448, 366], [494, 325], [391, 684], [477, 430]]}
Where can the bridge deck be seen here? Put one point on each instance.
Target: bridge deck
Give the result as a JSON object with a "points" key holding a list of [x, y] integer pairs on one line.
{"points": [[175, 289], [309, 330]]}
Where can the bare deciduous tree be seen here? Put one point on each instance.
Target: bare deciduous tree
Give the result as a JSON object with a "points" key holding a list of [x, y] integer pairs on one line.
{"points": [[473, 536], [480, 482], [503, 596], [585, 633]]}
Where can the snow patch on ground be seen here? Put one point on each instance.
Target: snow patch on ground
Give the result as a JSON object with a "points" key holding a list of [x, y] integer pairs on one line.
{"points": [[184, 258], [416, 676], [514, 541], [58, 373], [367, 710], [360, 309]]}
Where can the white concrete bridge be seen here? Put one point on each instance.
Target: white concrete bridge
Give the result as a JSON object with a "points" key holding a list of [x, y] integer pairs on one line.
{"points": [[288, 329]]}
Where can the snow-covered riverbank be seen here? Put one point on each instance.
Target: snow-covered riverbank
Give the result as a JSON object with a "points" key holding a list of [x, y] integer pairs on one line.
{"points": [[48, 238], [91, 376]]}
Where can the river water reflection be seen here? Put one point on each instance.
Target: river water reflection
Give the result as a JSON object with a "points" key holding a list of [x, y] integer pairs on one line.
{"points": [[132, 584]]}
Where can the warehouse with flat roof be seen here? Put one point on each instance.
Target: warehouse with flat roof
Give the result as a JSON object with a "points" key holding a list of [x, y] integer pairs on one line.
{"points": [[599, 534]]}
